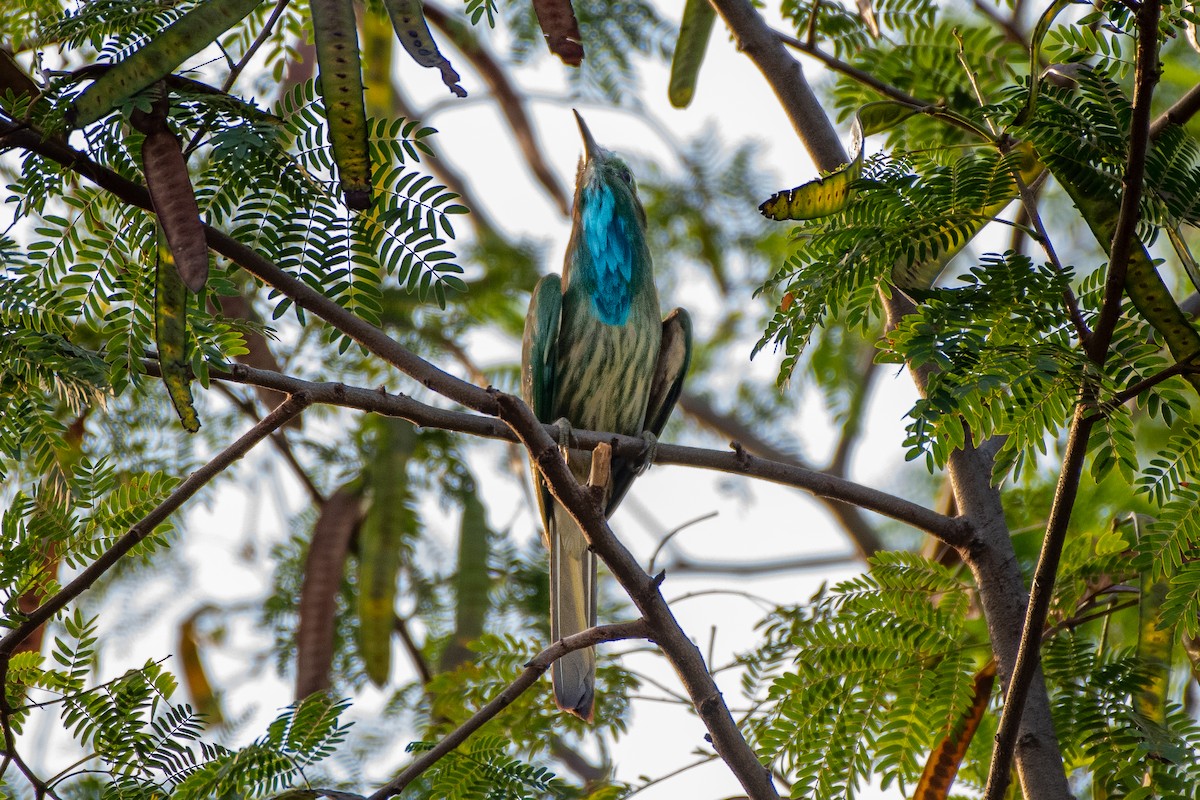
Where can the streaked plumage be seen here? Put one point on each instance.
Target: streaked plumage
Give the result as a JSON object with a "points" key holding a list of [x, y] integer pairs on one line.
{"points": [[596, 353]]}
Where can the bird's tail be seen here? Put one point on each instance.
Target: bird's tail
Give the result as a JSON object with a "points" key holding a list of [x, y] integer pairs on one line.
{"points": [[572, 609]]}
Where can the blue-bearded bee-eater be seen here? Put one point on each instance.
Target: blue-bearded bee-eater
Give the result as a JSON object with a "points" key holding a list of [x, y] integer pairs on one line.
{"points": [[597, 354]]}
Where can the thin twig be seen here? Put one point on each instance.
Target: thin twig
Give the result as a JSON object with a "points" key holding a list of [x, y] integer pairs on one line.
{"points": [[673, 533], [281, 444], [636, 629], [1029, 205], [258, 42], [414, 652]]}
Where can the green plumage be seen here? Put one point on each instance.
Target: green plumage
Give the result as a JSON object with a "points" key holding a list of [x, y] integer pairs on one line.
{"points": [[597, 354]]}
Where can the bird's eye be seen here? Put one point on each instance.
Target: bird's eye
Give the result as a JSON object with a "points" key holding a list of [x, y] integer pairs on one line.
{"points": [[626, 175]]}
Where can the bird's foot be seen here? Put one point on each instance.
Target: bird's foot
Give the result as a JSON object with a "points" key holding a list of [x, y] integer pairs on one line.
{"points": [[648, 453], [564, 434]]}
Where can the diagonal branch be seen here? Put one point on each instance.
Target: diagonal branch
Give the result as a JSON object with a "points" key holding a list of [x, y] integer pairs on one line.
{"points": [[865, 537], [1028, 655], [637, 629], [585, 506], [293, 406]]}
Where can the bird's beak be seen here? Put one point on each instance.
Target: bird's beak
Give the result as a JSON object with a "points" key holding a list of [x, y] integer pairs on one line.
{"points": [[589, 144]]}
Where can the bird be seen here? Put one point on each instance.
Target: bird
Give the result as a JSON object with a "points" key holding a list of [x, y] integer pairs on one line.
{"points": [[596, 355]]}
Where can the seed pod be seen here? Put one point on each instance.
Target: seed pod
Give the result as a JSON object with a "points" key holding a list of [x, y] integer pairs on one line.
{"points": [[388, 522], [557, 18], [324, 571], [694, 33], [163, 54], [340, 69], [172, 195], [170, 335], [408, 18]]}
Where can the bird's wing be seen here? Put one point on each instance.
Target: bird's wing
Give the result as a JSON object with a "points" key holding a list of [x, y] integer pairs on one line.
{"points": [[539, 356], [674, 355]]}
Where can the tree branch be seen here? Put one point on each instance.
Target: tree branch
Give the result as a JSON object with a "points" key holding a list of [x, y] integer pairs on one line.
{"points": [[836, 491], [1028, 654], [91, 573], [989, 553], [585, 507], [1179, 113], [1145, 78], [861, 532], [637, 629]]}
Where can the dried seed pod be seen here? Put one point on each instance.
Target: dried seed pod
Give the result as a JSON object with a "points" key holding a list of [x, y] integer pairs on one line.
{"points": [[172, 195], [557, 18]]}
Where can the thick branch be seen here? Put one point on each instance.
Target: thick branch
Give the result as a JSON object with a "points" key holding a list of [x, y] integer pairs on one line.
{"points": [[990, 553], [585, 507], [785, 77], [638, 629], [1028, 656], [194, 482]]}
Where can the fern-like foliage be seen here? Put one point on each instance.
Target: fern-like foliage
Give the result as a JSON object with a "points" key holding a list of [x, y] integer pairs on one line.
{"points": [[878, 676], [1004, 361], [1117, 750], [483, 768], [848, 33]]}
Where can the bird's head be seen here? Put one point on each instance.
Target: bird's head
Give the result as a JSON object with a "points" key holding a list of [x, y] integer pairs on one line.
{"points": [[604, 179]]}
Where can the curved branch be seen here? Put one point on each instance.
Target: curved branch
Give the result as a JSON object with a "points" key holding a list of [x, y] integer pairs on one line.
{"points": [[862, 533], [637, 629]]}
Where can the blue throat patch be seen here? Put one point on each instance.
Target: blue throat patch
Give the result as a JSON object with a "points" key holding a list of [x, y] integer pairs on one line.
{"points": [[606, 237]]}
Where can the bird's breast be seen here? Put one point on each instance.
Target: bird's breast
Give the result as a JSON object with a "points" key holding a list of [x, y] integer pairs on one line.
{"points": [[605, 370]]}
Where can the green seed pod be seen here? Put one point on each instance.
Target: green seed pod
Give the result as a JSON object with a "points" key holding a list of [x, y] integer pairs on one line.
{"points": [[694, 32], [408, 18], [170, 335], [163, 54], [340, 68], [388, 522]]}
